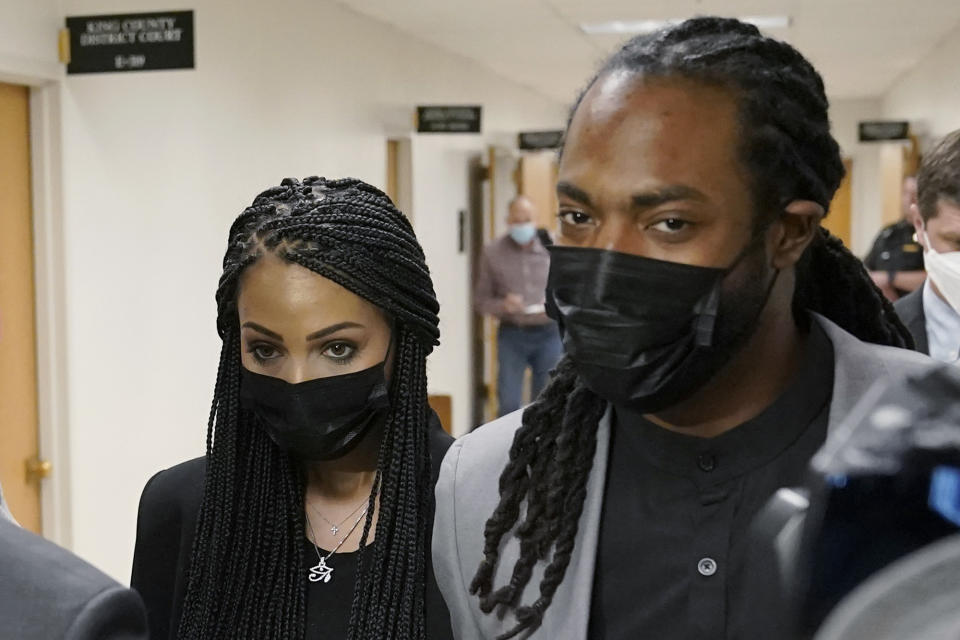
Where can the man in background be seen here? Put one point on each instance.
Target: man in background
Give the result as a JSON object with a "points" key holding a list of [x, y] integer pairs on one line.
{"points": [[510, 287], [895, 261], [932, 312]]}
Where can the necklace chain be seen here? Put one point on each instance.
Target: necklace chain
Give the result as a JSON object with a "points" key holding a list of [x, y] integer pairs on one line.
{"points": [[322, 571], [335, 528]]}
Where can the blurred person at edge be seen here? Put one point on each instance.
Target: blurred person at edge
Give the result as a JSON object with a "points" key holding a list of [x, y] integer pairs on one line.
{"points": [[932, 312], [714, 334], [895, 260], [510, 286], [47, 593]]}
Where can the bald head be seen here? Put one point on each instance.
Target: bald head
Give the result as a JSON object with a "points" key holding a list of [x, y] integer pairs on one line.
{"points": [[521, 211]]}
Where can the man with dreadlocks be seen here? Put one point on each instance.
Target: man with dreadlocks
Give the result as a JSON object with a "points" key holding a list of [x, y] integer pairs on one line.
{"points": [[309, 517], [714, 334]]}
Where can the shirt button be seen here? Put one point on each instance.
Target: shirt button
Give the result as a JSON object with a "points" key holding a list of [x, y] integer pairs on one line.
{"points": [[707, 567], [707, 462]]}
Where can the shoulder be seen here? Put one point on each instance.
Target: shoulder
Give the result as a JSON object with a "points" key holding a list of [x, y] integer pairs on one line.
{"points": [[496, 246], [467, 492], [176, 487], [439, 442], [169, 508], [49, 592], [473, 463], [910, 305], [170, 504], [858, 365]]}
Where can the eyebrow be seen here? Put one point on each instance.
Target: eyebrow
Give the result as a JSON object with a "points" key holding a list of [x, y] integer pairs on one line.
{"points": [[261, 329], [667, 194], [316, 335], [645, 200], [567, 189]]}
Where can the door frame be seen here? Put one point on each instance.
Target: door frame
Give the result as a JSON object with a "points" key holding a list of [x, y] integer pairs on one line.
{"points": [[45, 81]]}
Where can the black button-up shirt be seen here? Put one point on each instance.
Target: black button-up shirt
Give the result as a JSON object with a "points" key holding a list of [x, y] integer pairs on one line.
{"points": [[674, 529]]}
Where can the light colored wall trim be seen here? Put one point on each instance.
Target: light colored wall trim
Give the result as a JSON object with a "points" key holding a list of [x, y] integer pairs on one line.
{"points": [[29, 72], [53, 397]]}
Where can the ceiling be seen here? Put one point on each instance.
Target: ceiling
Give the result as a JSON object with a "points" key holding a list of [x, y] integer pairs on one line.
{"points": [[859, 46]]}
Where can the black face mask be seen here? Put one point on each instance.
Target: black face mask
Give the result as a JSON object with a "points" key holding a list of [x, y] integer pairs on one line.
{"points": [[321, 419], [645, 334]]}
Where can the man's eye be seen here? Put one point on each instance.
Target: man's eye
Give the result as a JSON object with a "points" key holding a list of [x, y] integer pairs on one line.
{"points": [[670, 225], [574, 218]]}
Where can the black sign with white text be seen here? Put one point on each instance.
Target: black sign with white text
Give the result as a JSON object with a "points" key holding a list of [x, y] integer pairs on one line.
{"points": [[452, 119], [131, 42], [538, 140], [880, 130]]}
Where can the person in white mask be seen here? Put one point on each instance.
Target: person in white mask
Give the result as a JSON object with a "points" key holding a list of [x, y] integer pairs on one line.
{"points": [[932, 313], [511, 280]]}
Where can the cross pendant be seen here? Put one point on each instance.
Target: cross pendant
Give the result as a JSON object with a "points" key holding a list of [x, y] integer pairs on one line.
{"points": [[321, 572], [334, 529]]}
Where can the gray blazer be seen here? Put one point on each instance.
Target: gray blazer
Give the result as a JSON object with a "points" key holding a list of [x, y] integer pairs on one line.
{"points": [[47, 593], [911, 312], [467, 493]]}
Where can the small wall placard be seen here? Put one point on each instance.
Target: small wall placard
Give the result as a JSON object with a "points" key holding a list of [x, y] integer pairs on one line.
{"points": [[879, 130], [539, 140], [131, 42], [448, 119]]}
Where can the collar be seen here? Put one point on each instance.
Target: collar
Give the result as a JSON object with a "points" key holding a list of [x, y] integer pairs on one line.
{"points": [[943, 326], [749, 445]]}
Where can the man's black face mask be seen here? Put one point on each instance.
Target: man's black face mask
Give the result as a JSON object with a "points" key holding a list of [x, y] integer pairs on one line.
{"points": [[646, 334]]}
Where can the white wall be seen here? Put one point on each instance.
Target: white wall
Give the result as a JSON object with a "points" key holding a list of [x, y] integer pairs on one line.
{"points": [[28, 40], [929, 94], [445, 160], [156, 166], [866, 205]]}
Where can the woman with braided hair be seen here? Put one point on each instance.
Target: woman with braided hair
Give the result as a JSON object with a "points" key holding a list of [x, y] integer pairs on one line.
{"points": [[714, 334], [309, 516]]}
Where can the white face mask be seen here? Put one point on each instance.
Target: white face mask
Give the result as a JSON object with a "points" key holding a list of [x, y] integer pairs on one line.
{"points": [[944, 271]]}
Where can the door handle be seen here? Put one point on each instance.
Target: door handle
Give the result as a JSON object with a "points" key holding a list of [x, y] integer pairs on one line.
{"points": [[38, 469]]}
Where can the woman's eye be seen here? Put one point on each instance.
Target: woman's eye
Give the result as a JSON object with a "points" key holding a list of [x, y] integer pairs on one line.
{"points": [[670, 225], [339, 351], [263, 352], [575, 218]]}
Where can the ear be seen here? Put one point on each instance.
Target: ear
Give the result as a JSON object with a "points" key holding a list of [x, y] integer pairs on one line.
{"points": [[794, 231], [918, 226]]}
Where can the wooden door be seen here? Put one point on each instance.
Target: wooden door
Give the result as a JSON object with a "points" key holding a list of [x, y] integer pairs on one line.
{"points": [[18, 374], [839, 220], [537, 179]]}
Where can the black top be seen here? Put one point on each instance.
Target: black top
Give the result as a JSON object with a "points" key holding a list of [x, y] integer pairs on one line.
{"points": [[674, 534], [910, 310], [166, 524]]}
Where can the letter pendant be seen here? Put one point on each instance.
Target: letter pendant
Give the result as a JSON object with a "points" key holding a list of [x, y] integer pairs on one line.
{"points": [[321, 572]]}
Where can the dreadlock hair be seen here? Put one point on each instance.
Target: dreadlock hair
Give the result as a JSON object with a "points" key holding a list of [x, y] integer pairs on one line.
{"points": [[789, 153], [246, 578]]}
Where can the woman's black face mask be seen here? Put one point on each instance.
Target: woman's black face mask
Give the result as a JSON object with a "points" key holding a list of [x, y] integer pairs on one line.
{"points": [[646, 334], [321, 419]]}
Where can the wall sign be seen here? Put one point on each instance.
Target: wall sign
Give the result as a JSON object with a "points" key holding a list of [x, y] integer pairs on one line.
{"points": [[448, 119], [538, 140], [131, 42], [879, 130]]}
